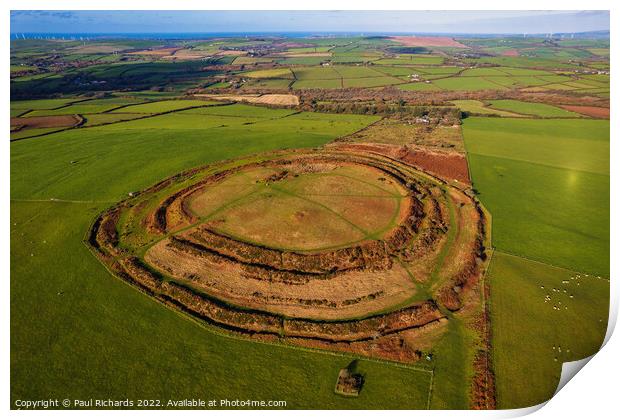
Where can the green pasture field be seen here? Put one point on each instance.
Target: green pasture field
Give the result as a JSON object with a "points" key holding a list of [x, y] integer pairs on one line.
{"points": [[316, 73], [478, 107], [520, 81], [251, 60], [265, 83], [62, 297], [302, 61], [412, 59], [394, 70], [467, 83], [604, 52], [17, 68], [443, 70], [600, 65], [240, 110], [354, 72], [559, 53], [279, 73], [33, 132], [531, 339], [556, 78], [79, 108], [318, 84], [96, 119], [303, 50], [527, 62], [602, 79], [177, 120], [512, 82], [484, 71], [532, 108], [371, 81], [33, 77], [515, 71], [18, 112], [141, 142], [418, 86], [152, 94], [114, 100], [42, 103], [350, 58], [162, 106], [546, 183], [558, 86], [219, 85]]}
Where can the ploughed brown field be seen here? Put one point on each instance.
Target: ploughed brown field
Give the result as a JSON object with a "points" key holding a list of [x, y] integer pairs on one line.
{"points": [[45, 122], [428, 41], [349, 250], [590, 111], [268, 98], [510, 53]]}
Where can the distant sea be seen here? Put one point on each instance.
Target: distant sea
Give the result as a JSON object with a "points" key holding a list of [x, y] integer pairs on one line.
{"points": [[186, 35], [204, 35]]}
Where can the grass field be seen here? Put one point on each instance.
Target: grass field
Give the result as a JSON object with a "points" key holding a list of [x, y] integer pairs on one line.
{"points": [[96, 119], [478, 107], [412, 59], [161, 106], [128, 146], [467, 83], [279, 73], [418, 86], [532, 108], [73, 109], [531, 338], [41, 104], [546, 182], [265, 84], [318, 84], [33, 132], [240, 110], [371, 81]]}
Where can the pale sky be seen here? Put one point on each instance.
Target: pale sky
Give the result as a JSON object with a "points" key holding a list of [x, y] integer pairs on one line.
{"points": [[517, 22]]}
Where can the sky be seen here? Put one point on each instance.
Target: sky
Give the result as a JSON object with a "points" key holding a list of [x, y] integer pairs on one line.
{"points": [[478, 22]]}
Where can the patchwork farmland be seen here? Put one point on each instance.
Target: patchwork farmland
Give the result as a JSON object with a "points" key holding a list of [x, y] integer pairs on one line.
{"points": [[433, 211]]}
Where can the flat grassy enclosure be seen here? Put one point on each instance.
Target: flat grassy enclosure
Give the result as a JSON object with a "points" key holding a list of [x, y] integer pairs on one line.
{"points": [[317, 210], [562, 167]]}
